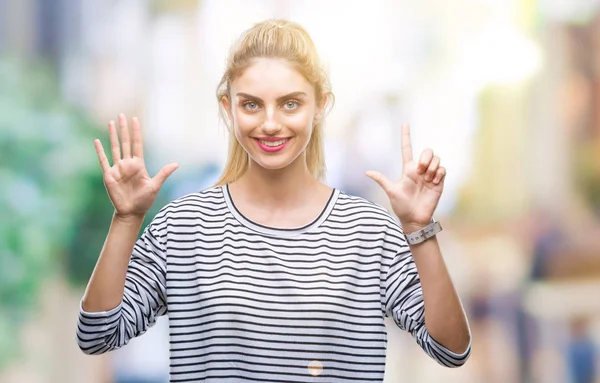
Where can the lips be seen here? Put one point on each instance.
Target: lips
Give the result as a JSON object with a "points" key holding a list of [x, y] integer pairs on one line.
{"points": [[272, 144]]}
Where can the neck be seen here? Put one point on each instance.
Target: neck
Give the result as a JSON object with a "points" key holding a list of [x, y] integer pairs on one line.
{"points": [[271, 188]]}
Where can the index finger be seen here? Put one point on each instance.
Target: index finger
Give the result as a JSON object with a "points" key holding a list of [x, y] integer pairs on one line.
{"points": [[407, 154]]}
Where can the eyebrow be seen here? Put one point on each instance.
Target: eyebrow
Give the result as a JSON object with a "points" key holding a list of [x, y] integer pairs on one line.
{"points": [[279, 99]]}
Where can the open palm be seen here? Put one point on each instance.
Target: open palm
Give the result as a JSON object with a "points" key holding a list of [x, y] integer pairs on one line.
{"points": [[415, 196], [131, 190]]}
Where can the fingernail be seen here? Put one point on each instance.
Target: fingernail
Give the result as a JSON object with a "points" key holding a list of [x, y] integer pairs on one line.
{"points": [[436, 180], [427, 178]]}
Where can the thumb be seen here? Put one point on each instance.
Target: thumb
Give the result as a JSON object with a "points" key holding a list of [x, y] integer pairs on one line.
{"points": [[381, 180], [164, 173]]}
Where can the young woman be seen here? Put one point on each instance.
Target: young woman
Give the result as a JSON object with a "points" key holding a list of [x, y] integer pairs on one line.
{"points": [[271, 275]]}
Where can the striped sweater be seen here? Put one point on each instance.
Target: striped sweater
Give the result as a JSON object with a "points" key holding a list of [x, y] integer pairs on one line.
{"points": [[248, 302]]}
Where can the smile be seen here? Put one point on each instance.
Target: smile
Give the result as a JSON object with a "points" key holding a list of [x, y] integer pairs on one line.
{"points": [[274, 143], [272, 146]]}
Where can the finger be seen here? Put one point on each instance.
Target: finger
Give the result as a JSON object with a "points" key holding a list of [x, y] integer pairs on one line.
{"points": [[101, 156], [164, 173], [381, 180], [136, 134], [125, 140], [425, 160], [440, 175], [432, 169], [407, 154], [114, 142]]}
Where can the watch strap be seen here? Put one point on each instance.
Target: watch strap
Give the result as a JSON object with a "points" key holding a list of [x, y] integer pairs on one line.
{"points": [[424, 234]]}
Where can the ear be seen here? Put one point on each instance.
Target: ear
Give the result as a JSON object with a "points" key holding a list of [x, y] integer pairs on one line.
{"points": [[322, 106], [226, 105]]}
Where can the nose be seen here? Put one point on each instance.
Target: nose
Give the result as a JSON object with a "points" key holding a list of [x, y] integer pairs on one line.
{"points": [[270, 125]]}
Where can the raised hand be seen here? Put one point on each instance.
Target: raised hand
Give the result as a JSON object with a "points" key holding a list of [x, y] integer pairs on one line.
{"points": [[130, 188], [415, 196]]}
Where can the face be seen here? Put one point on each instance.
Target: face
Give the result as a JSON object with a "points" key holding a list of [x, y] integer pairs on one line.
{"points": [[272, 111]]}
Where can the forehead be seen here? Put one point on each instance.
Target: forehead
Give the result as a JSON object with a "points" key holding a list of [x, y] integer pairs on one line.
{"points": [[267, 76]]}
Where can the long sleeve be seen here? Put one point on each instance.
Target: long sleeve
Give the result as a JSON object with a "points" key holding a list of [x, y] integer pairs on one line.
{"points": [[403, 301], [144, 300]]}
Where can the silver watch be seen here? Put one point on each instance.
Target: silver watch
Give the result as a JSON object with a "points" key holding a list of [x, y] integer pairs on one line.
{"points": [[425, 233]]}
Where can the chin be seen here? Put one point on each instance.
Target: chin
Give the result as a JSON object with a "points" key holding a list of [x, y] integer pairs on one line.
{"points": [[273, 164]]}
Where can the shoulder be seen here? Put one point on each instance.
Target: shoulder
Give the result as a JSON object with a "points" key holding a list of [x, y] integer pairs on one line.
{"points": [[355, 208], [361, 207], [369, 217], [207, 202]]}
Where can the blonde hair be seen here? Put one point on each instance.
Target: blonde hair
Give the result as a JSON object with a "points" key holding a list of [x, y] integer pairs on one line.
{"points": [[275, 39]]}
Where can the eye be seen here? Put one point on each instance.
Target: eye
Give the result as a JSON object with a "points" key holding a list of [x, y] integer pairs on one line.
{"points": [[291, 105], [250, 106]]}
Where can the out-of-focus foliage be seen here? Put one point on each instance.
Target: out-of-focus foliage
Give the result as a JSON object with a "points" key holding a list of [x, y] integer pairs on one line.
{"points": [[54, 211], [44, 173]]}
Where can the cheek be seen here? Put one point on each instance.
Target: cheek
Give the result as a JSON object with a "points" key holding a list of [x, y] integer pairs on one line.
{"points": [[301, 120], [244, 121]]}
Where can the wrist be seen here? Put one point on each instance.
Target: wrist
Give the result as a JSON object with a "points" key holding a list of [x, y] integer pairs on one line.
{"points": [[417, 233], [129, 219], [410, 227]]}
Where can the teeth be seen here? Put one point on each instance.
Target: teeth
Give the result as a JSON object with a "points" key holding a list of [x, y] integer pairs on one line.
{"points": [[273, 143]]}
